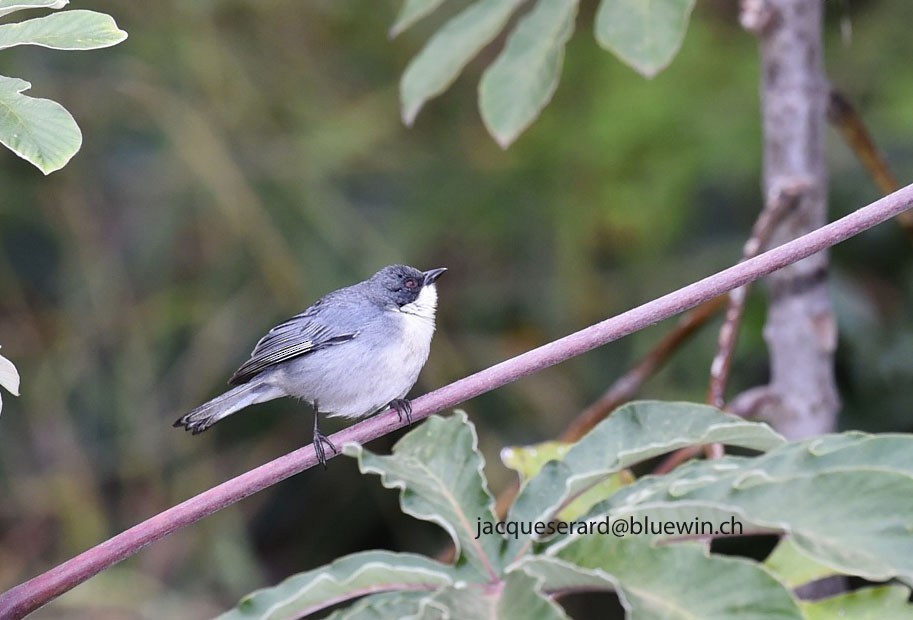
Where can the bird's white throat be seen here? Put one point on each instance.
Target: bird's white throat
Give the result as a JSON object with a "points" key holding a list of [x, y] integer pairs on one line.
{"points": [[424, 305]]}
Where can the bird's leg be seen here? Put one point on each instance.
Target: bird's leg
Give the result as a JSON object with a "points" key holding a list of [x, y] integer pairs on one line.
{"points": [[319, 440], [402, 407]]}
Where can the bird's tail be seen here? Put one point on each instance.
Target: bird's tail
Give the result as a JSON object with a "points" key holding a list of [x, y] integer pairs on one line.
{"points": [[226, 404]]}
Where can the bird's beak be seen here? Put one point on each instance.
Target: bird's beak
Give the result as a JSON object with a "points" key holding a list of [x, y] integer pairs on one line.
{"points": [[433, 274]]}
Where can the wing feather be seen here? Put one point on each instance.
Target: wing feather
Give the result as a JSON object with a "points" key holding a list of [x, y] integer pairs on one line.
{"points": [[300, 335]]}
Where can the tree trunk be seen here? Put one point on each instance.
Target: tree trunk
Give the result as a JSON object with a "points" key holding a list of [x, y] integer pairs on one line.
{"points": [[801, 330]]}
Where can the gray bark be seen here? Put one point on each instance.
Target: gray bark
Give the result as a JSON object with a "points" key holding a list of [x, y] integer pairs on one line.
{"points": [[801, 331]]}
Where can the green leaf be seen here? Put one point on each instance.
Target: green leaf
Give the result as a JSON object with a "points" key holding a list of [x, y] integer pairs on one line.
{"points": [[518, 599], [800, 489], [646, 34], [11, 6], [633, 433], [892, 452], [794, 567], [438, 468], [449, 50], [411, 12], [38, 130], [346, 578], [68, 30], [876, 603], [831, 452], [527, 461], [664, 583], [521, 81], [383, 606]]}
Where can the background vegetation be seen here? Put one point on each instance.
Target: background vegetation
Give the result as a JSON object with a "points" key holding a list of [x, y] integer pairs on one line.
{"points": [[242, 158]]}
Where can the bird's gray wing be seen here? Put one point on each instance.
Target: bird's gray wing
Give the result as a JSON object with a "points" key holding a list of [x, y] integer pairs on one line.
{"points": [[299, 335]]}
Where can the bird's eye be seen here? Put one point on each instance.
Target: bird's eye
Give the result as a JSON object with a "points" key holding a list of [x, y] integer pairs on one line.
{"points": [[410, 283]]}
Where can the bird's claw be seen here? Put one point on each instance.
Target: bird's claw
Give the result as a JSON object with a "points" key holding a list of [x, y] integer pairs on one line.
{"points": [[403, 408], [319, 440]]}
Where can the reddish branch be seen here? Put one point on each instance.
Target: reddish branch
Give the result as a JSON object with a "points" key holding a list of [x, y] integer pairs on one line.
{"points": [[25, 598]]}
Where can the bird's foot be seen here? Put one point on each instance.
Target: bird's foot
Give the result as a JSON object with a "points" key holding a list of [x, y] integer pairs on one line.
{"points": [[319, 441], [403, 408]]}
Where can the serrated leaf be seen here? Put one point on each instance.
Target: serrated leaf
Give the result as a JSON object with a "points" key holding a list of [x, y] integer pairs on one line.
{"points": [[875, 603], [449, 50], [438, 468], [411, 12], [794, 567], [67, 30], [527, 461], [633, 433], [346, 578], [11, 6], [665, 583], [645, 34], [518, 599], [522, 80], [40, 131]]}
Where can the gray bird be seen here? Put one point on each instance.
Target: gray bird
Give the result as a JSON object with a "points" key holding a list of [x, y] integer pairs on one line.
{"points": [[355, 352]]}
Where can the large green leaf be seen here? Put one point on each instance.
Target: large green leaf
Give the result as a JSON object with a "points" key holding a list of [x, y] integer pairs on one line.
{"points": [[40, 131], [633, 433], [438, 468], [645, 34], [674, 582], [856, 521], [521, 81], [10, 6], [852, 450], [411, 12], [67, 30], [346, 578], [449, 50], [517, 599], [876, 603], [888, 451]]}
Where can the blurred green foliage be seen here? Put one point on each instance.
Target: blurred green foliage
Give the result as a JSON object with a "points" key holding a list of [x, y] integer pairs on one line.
{"points": [[242, 158]]}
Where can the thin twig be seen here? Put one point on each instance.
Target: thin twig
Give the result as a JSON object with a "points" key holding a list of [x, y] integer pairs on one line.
{"points": [[25, 598], [764, 226], [847, 120], [676, 458]]}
